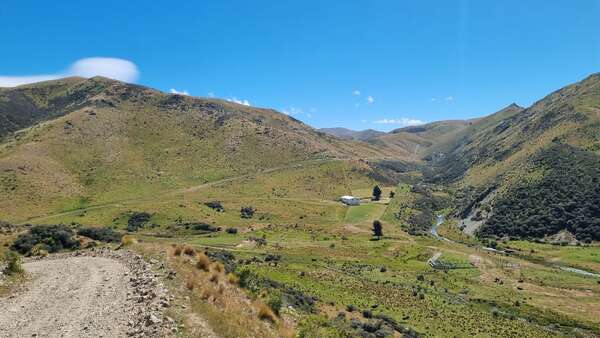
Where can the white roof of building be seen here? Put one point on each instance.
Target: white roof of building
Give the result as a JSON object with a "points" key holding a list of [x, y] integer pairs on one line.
{"points": [[347, 197]]}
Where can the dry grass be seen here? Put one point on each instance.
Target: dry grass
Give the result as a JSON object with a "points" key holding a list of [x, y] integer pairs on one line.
{"points": [[128, 240], [265, 313], [190, 283], [233, 279], [177, 251], [189, 251], [215, 277], [227, 308], [202, 262], [218, 267]]}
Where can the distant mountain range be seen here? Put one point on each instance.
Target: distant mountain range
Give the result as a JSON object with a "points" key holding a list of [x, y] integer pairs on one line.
{"points": [[349, 134]]}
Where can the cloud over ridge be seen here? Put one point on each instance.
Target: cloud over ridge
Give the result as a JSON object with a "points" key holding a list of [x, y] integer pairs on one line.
{"points": [[114, 68]]}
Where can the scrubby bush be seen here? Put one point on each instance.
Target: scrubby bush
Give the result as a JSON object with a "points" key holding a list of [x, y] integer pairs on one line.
{"points": [[53, 237], [232, 231], [205, 227], [13, 263], [101, 234], [377, 229], [247, 212], [137, 220], [274, 300], [215, 205], [376, 193], [566, 197]]}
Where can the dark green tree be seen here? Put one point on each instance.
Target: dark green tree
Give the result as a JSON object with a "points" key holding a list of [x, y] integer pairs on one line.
{"points": [[392, 194], [376, 193], [377, 229]]}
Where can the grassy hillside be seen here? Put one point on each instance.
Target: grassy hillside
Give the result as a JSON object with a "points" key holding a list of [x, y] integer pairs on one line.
{"points": [[28, 105], [415, 143], [348, 134], [518, 154], [104, 141]]}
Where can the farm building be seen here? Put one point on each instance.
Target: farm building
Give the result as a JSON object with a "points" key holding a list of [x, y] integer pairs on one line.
{"points": [[350, 200]]}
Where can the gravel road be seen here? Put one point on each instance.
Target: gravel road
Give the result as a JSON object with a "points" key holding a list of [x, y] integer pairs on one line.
{"points": [[93, 295]]}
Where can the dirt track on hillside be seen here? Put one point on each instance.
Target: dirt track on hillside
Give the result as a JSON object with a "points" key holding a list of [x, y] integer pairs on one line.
{"points": [[85, 296]]}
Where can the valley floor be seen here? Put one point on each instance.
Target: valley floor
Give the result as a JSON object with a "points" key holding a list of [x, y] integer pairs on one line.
{"points": [[300, 238]]}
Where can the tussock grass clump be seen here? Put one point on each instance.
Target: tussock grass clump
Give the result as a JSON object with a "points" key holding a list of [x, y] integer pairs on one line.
{"points": [[177, 251], [190, 283], [128, 240], [13, 263], [211, 294], [189, 251], [218, 267], [214, 277], [265, 313], [233, 279], [202, 262]]}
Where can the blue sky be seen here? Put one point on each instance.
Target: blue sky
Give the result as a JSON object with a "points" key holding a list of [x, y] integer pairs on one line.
{"points": [[358, 64]]}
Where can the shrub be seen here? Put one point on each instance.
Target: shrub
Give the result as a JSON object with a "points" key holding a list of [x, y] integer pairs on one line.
{"points": [[177, 251], [376, 193], [274, 300], [232, 231], [101, 234], [202, 227], [137, 220], [247, 212], [13, 263], [215, 205], [53, 237], [377, 229]]}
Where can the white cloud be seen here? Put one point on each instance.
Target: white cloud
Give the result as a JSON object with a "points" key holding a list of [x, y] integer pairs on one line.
{"points": [[211, 94], [363, 121], [117, 69], [356, 92], [370, 99], [447, 98], [293, 111], [12, 81], [403, 121], [175, 91], [242, 102]]}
